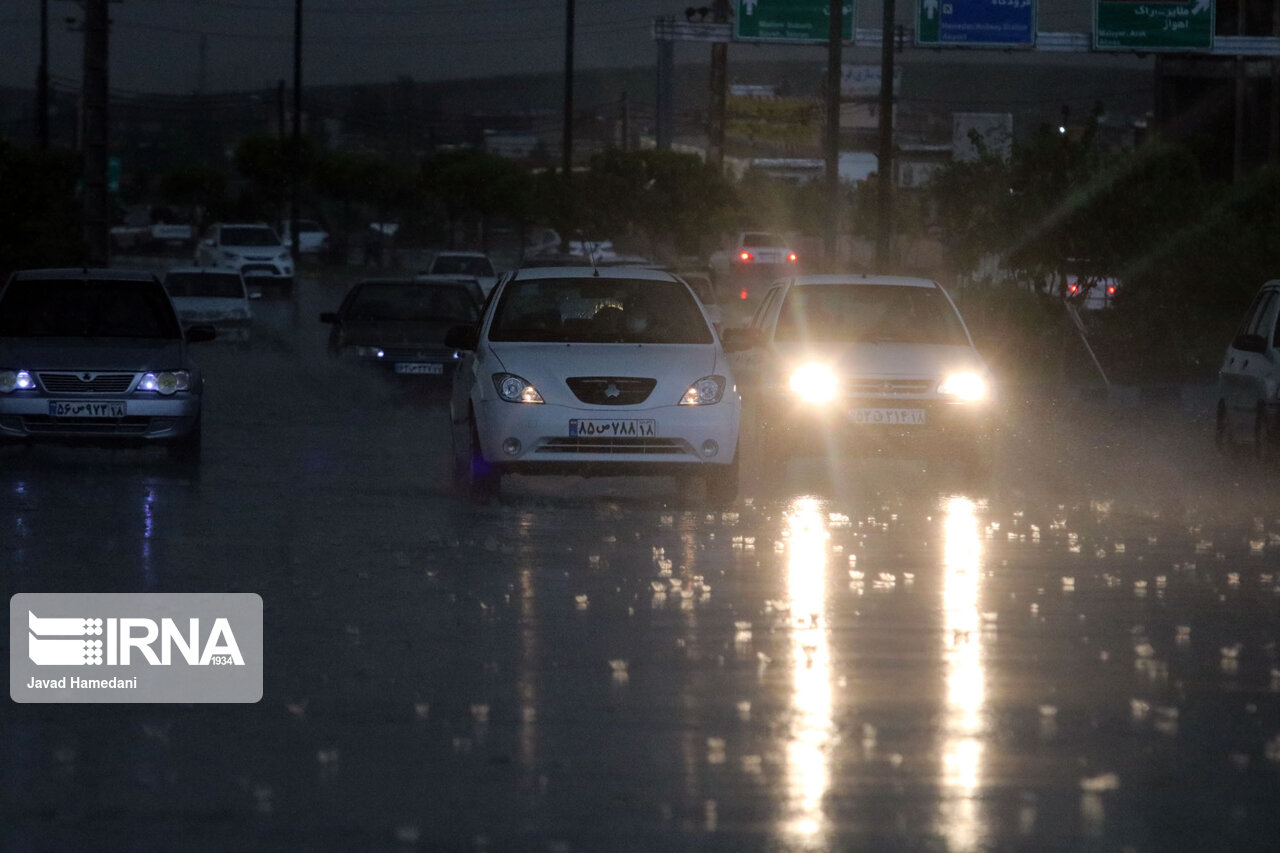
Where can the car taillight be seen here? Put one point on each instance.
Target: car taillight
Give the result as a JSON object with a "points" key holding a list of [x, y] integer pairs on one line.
{"points": [[742, 294], [1073, 288], [746, 256], [792, 257], [1111, 290]]}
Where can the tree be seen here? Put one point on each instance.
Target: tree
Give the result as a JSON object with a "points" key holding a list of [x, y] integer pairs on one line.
{"points": [[474, 186]]}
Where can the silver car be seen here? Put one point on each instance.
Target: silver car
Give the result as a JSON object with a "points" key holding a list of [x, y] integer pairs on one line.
{"points": [[97, 354]]}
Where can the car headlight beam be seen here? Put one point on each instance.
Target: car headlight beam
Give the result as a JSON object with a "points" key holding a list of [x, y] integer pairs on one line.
{"points": [[707, 391], [814, 382], [515, 389], [16, 380], [966, 386]]}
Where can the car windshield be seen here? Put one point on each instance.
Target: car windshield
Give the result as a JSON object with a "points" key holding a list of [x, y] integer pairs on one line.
{"points": [[762, 239], [410, 302], [599, 310], [869, 312], [461, 265], [76, 308], [246, 236], [205, 284]]}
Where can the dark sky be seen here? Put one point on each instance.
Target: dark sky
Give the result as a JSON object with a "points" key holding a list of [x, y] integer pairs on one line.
{"points": [[156, 45]]}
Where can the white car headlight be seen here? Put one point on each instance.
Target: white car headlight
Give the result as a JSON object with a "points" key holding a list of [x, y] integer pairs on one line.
{"points": [[165, 381], [814, 382], [705, 392], [16, 380], [370, 352], [515, 389], [967, 386]]}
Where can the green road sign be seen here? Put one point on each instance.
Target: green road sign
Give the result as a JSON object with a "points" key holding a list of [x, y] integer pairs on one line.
{"points": [[1161, 25], [789, 20]]}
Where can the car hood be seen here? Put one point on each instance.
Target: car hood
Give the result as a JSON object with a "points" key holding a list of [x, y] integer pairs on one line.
{"points": [[130, 354], [547, 365], [884, 359], [387, 332]]}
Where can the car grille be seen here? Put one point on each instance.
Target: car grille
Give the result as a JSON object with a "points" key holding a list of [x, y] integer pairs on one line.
{"points": [[889, 387], [128, 425], [611, 390], [609, 444], [76, 383], [255, 269]]}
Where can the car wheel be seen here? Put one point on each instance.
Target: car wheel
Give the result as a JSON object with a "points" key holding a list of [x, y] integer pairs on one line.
{"points": [[477, 476]]}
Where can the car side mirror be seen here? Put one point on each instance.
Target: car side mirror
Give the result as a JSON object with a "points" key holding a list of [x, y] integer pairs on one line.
{"points": [[200, 334], [1250, 343], [462, 337], [329, 317], [736, 340]]}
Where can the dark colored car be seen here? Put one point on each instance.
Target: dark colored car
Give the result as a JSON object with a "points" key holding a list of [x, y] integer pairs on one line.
{"points": [[401, 322], [97, 353]]}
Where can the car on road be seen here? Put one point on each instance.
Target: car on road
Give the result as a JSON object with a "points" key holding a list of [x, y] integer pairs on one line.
{"points": [[252, 248], [97, 354], [746, 267], [313, 238], [862, 361], [213, 295], [452, 264], [1248, 391], [577, 370], [401, 322]]}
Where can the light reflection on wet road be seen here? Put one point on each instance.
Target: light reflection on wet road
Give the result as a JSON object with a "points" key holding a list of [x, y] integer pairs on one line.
{"points": [[1076, 653]]}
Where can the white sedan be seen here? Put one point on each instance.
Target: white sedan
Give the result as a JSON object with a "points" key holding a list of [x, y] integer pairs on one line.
{"points": [[579, 371], [862, 362]]}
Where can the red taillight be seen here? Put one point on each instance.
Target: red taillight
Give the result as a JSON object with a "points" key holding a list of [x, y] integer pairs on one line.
{"points": [[792, 257], [745, 256], [742, 294], [1073, 288], [1111, 290]]}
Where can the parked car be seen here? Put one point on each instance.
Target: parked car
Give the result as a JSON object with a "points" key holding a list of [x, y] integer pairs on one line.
{"points": [[213, 295], [97, 354], [252, 248], [313, 238], [1248, 405], [864, 361], [401, 322], [575, 370]]}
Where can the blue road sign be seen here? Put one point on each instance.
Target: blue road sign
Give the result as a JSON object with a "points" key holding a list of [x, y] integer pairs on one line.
{"points": [[976, 23]]}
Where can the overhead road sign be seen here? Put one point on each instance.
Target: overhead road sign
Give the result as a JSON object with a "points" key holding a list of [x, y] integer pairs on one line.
{"points": [[793, 21], [976, 23], [1142, 25], [670, 29]]}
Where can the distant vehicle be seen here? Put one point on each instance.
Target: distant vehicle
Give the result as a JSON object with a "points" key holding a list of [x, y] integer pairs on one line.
{"points": [[97, 354], [864, 361], [455, 264], [753, 260], [213, 295], [575, 370], [1248, 406], [401, 323], [252, 248], [1101, 295], [313, 238], [141, 230]]}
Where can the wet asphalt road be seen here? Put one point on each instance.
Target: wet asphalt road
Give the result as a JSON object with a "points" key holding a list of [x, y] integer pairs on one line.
{"points": [[1075, 652]]}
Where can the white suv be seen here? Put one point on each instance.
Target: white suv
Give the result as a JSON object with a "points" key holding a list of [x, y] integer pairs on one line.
{"points": [[254, 249]]}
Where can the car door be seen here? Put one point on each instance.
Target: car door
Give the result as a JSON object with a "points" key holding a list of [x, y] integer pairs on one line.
{"points": [[1250, 362]]}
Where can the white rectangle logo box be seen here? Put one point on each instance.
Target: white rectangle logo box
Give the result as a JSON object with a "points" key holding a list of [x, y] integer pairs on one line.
{"points": [[135, 647]]}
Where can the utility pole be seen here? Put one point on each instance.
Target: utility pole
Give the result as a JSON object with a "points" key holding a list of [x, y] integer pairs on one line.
{"points": [[296, 153], [831, 222], [719, 86], [884, 198], [42, 80], [96, 202], [566, 143]]}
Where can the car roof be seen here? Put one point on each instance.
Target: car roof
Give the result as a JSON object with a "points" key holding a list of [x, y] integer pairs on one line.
{"points": [[864, 278], [604, 272], [94, 273]]}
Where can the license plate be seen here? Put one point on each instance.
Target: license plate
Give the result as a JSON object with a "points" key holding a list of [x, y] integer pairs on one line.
{"points": [[81, 409], [889, 417], [583, 428], [415, 367]]}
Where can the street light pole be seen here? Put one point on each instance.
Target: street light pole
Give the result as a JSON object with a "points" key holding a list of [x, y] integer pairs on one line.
{"points": [[831, 222], [884, 219], [566, 143], [296, 143], [42, 80]]}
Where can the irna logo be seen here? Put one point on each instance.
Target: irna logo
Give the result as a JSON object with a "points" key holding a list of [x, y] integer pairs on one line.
{"points": [[122, 641]]}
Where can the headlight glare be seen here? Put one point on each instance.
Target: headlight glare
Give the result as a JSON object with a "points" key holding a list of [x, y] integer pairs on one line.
{"points": [[814, 382], [967, 386], [515, 389], [705, 392], [15, 380], [165, 381]]}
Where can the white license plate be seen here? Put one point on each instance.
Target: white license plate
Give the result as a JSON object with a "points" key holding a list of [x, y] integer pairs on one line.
{"points": [[889, 417], [583, 428], [415, 367], [84, 409]]}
